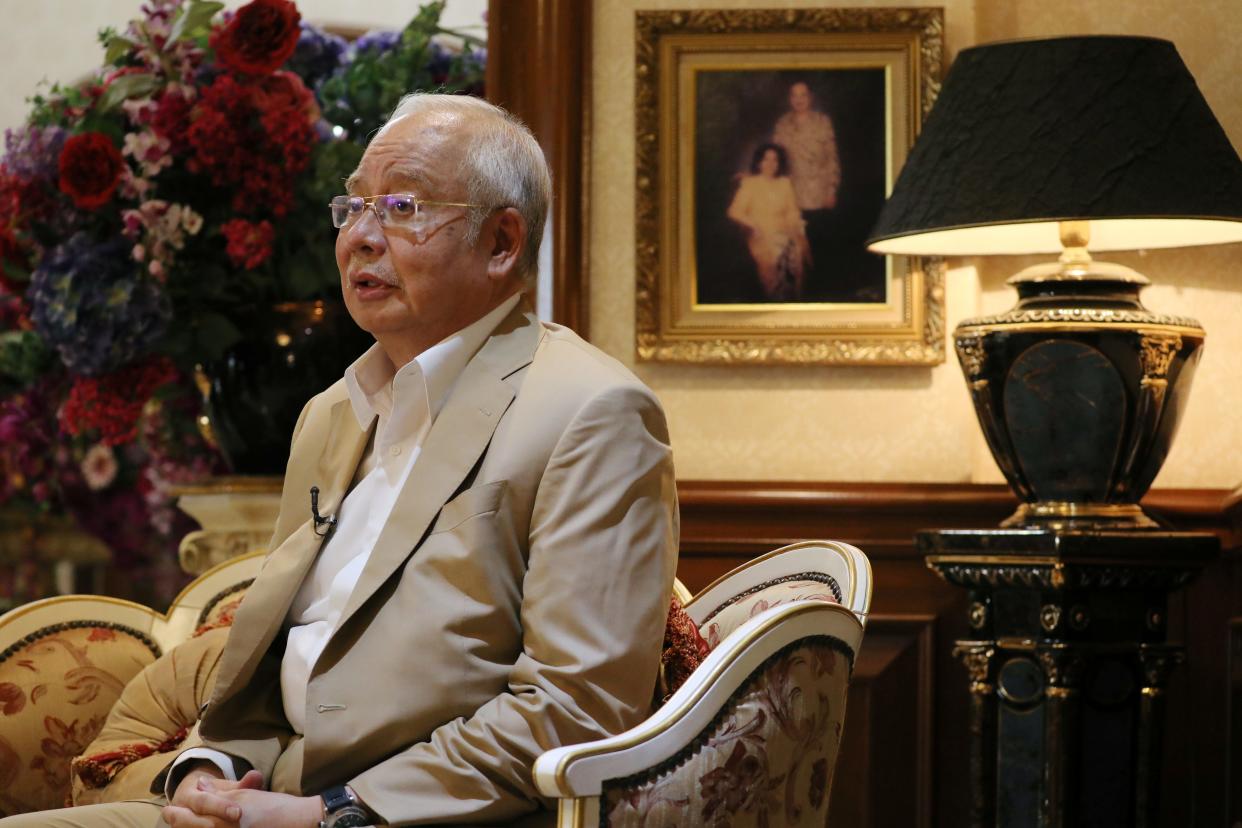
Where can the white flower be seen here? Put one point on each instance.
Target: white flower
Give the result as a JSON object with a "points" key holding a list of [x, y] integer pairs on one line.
{"points": [[191, 221], [99, 467]]}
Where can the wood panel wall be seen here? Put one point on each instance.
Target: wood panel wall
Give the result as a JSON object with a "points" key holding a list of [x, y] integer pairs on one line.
{"points": [[904, 757], [539, 68]]}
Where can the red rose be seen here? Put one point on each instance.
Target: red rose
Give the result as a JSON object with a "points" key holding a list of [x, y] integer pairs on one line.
{"points": [[259, 38], [90, 168], [284, 93], [250, 244]]}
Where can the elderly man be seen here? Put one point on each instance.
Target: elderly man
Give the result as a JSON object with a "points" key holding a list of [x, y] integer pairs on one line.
{"points": [[477, 533]]}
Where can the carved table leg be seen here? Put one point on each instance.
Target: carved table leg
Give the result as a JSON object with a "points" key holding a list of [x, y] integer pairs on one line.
{"points": [[1158, 661], [978, 658], [1062, 674]]}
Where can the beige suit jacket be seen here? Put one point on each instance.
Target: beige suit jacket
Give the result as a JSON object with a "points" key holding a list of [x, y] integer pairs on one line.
{"points": [[515, 601]]}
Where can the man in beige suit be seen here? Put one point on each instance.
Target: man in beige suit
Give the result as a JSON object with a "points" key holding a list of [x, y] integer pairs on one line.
{"points": [[484, 571]]}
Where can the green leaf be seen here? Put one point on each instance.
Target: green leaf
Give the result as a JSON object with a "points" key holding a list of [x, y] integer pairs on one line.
{"points": [[193, 19], [24, 356], [15, 272], [117, 48], [126, 87], [213, 334]]}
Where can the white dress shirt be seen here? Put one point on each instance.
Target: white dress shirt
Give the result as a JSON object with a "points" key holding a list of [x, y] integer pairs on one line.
{"points": [[406, 403]]}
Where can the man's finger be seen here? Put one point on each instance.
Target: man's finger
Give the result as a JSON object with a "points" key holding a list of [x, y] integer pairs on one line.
{"points": [[178, 817], [253, 780], [206, 803]]}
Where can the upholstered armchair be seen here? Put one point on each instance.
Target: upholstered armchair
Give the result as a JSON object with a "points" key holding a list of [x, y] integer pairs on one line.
{"points": [[96, 693], [67, 662], [751, 737]]}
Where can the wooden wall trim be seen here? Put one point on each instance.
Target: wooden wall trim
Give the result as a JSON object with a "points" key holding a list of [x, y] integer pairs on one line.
{"points": [[539, 68], [742, 517]]}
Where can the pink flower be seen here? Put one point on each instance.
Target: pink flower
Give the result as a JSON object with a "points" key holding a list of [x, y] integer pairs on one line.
{"points": [[149, 150], [99, 467]]}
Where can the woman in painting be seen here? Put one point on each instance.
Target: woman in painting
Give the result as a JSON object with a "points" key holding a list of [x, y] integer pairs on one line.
{"points": [[766, 207]]}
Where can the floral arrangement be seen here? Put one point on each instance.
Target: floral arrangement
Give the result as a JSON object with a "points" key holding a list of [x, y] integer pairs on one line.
{"points": [[145, 214]]}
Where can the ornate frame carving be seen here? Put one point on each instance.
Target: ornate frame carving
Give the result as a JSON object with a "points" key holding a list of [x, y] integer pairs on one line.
{"points": [[671, 326]]}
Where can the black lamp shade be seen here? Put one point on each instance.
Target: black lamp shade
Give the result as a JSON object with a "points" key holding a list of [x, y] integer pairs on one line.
{"points": [[1026, 134]]}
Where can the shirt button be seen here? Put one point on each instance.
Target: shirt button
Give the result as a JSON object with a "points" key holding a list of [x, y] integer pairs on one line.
{"points": [[395, 450]]}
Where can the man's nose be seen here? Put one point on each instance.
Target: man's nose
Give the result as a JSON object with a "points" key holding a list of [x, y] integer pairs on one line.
{"points": [[366, 232]]}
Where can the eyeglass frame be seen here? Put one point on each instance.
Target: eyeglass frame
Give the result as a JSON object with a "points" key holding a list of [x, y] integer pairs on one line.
{"points": [[369, 201]]}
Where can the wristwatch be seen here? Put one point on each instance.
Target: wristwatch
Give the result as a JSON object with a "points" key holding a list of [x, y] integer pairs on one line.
{"points": [[343, 810]]}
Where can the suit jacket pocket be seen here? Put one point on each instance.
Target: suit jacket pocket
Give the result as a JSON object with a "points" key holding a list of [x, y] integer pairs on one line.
{"points": [[479, 500]]}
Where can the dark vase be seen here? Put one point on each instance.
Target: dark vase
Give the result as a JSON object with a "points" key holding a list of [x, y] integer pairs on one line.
{"points": [[255, 392]]}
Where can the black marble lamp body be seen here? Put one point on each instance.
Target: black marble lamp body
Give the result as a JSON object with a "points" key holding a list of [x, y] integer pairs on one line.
{"points": [[1079, 390]]}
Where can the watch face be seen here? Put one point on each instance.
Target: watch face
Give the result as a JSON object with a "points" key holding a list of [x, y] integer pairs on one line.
{"points": [[349, 817]]}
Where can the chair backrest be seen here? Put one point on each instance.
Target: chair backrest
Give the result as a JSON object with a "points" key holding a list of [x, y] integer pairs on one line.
{"points": [[63, 663], [830, 562], [822, 570]]}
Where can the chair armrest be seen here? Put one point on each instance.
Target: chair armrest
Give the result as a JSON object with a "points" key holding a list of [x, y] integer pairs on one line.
{"points": [[580, 770]]}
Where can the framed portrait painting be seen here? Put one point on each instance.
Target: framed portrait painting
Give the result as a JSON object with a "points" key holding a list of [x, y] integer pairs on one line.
{"points": [[767, 143]]}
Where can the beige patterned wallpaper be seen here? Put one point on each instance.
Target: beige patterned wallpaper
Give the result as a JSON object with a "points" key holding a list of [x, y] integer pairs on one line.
{"points": [[910, 424]]}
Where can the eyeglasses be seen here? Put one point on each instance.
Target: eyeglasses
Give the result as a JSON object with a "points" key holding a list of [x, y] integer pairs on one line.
{"points": [[400, 211]]}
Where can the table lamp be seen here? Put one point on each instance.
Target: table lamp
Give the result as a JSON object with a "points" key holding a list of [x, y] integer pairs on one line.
{"points": [[1070, 145]]}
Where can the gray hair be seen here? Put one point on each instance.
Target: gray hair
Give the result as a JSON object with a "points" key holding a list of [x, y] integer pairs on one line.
{"points": [[503, 166]]}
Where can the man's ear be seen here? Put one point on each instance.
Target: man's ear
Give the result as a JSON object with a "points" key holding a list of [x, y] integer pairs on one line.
{"points": [[508, 240]]}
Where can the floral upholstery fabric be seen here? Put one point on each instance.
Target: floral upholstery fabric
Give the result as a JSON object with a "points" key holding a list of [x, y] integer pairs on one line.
{"points": [[221, 612], [55, 692], [728, 617], [156, 714], [766, 761]]}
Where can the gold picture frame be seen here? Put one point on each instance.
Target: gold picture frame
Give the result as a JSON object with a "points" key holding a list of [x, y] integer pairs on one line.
{"points": [[778, 273]]}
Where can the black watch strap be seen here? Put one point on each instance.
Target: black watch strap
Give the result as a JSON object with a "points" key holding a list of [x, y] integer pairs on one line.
{"points": [[343, 810], [334, 799]]}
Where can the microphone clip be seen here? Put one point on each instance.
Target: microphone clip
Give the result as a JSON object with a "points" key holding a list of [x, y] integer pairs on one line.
{"points": [[323, 523]]}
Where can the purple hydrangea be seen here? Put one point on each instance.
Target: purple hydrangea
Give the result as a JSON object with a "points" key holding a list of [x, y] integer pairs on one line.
{"points": [[317, 55], [92, 303], [34, 152], [376, 40], [439, 61]]}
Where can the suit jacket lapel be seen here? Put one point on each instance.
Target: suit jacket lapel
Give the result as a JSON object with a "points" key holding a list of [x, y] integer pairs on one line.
{"points": [[268, 599], [461, 433]]}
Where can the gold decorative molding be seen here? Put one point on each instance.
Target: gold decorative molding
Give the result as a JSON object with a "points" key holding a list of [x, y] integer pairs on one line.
{"points": [[781, 333], [973, 357], [977, 658], [1157, 355], [1080, 316]]}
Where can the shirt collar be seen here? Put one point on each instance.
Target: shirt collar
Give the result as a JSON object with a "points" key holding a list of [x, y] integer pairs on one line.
{"points": [[369, 380]]}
